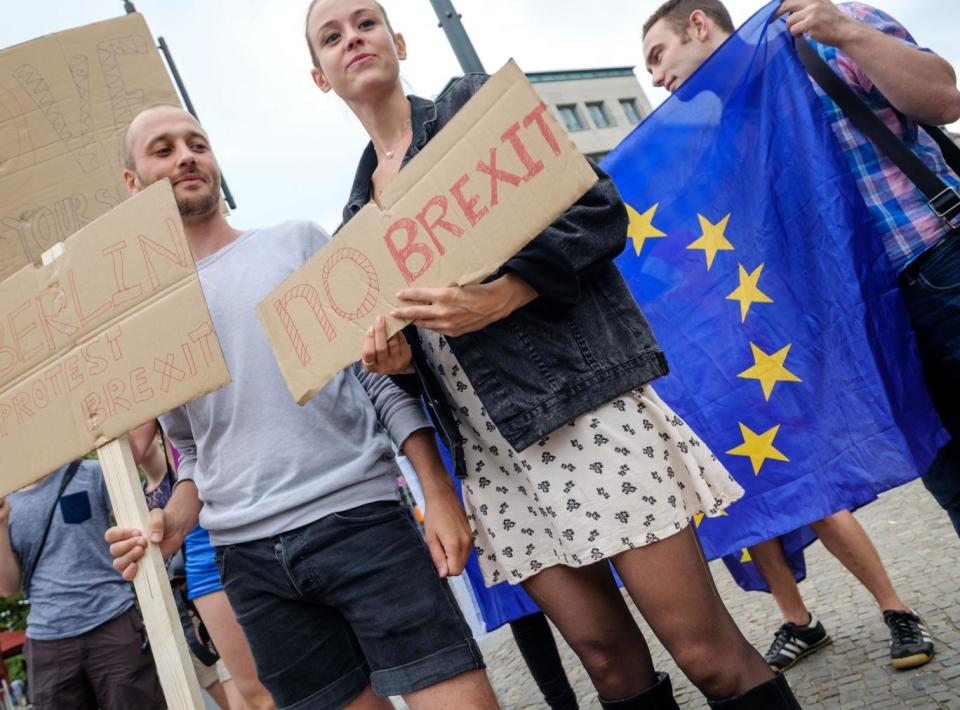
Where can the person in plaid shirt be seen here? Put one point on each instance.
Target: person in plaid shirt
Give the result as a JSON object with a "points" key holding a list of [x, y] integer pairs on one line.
{"points": [[921, 246], [904, 219], [904, 85]]}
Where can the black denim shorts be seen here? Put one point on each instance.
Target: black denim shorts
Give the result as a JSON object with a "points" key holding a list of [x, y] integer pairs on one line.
{"points": [[350, 600]]}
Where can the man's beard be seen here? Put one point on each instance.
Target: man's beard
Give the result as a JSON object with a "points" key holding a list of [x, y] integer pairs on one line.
{"points": [[195, 206], [198, 206]]}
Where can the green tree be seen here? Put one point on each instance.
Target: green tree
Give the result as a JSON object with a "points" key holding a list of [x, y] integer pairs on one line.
{"points": [[13, 617]]}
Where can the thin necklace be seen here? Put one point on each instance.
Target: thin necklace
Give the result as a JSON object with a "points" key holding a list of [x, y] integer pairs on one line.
{"points": [[388, 154]]}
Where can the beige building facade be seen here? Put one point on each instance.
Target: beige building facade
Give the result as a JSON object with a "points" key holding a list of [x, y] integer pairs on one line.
{"points": [[598, 107]]}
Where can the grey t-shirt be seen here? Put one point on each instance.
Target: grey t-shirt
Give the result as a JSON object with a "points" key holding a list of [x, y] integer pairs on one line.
{"points": [[262, 464], [74, 587]]}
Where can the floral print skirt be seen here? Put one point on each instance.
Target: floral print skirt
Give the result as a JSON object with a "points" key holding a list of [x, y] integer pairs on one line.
{"points": [[627, 474]]}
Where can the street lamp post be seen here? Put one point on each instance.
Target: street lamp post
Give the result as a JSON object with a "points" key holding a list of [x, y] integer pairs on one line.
{"points": [[457, 36]]}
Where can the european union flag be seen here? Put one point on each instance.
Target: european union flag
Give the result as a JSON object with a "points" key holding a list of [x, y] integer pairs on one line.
{"points": [[757, 264]]}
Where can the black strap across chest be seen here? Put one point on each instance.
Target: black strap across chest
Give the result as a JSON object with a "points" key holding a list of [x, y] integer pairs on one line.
{"points": [[943, 199]]}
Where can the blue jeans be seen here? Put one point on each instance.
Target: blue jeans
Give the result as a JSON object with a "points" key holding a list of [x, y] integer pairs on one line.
{"points": [[932, 295]]}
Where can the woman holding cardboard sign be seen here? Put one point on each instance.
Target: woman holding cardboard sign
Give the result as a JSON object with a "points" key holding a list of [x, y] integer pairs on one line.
{"points": [[539, 379]]}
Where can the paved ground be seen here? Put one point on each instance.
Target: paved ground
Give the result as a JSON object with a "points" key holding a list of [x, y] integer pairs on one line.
{"points": [[922, 554]]}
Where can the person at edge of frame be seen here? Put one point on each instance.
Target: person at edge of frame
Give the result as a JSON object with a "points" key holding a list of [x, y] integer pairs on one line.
{"points": [[881, 62], [86, 644]]}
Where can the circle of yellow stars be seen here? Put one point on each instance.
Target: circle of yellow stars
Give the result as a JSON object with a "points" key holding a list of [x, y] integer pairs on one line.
{"points": [[768, 369]]}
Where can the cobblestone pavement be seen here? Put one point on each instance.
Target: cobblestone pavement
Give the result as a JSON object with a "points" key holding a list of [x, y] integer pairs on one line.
{"points": [[922, 555]]}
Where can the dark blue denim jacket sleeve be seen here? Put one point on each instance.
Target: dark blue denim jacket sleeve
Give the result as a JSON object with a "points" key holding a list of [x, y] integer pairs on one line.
{"points": [[589, 234], [580, 343]]}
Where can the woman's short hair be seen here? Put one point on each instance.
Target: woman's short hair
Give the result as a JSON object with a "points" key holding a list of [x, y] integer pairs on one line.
{"points": [[677, 14]]}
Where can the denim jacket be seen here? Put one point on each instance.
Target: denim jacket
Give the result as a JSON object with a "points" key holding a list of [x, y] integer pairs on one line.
{"points": [[580, 343]]}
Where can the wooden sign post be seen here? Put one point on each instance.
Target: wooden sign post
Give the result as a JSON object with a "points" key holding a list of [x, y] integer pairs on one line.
{"points": [[112, 330], [92, 375], [152, 586], [169, 645]]}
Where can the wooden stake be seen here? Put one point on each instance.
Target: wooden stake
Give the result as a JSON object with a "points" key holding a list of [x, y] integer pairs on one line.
{"points": [[170, 653]]}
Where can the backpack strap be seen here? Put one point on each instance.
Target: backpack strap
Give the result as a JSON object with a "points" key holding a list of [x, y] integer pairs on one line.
{"points": [[943, 199], [64, 482]]}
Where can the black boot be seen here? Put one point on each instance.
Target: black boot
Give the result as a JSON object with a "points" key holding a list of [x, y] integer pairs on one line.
{"points": [[559, 695], [659, 696], [539, 650], [773, 694]]}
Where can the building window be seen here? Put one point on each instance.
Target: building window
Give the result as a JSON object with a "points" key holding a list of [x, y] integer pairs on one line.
{"points": [[571, 117], [598, 114], [629, 107]]}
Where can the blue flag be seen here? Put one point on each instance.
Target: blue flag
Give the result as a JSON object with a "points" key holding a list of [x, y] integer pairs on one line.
{"points": [[753, 256]]}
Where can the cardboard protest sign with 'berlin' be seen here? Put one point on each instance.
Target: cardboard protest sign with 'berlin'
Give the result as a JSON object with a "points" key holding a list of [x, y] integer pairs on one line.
{"points": [[109, 335], [491, 180], [64, 101]]}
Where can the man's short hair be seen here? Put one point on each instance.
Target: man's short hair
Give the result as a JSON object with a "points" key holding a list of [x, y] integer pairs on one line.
{"points": [[306, 29], [126, 150], [677, 14]]}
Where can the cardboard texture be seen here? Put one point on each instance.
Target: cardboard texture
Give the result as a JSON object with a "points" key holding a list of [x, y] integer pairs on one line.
{"points": [[64, 101], [492, 179], [109, 335]]}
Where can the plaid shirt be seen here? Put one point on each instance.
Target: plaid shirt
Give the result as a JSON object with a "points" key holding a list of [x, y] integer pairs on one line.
{"points": [[904, 219]]}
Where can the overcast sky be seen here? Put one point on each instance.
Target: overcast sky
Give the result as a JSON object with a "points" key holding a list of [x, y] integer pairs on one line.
{"points": [[289, 151]]}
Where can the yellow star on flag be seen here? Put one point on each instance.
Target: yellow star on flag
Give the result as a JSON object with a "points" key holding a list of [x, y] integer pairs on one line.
{"points": [[769, 369], [758, 447], [745, 556], [641, 227], [712, 238], [698, 517], [748, 292]]}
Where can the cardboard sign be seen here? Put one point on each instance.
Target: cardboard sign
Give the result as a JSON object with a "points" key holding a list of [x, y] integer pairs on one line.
{"points": [[64, 102], [109, 335], [491, 180]]}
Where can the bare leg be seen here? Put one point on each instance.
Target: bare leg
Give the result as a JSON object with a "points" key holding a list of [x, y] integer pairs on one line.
{"points": [[590, 613], [845, 538], [368, 700], [227, 636], [215, 690], [233, 695], [467, 691], [772, 564], [671, 585]]}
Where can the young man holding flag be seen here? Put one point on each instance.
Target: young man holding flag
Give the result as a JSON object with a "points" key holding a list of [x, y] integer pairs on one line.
{"points": [[878, 59]]}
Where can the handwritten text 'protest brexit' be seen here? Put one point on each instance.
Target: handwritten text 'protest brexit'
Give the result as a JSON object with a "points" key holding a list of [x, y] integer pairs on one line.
{"points": [[111, 361]]}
